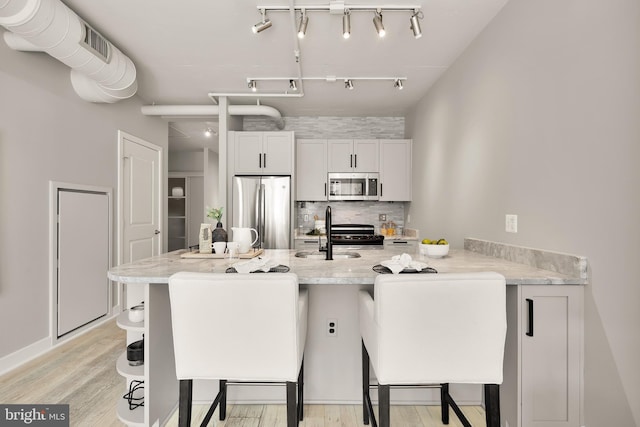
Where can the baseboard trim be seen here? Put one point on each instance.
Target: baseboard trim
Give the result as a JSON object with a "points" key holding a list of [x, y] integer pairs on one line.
{"points": [[26, 354], [13, 360]]}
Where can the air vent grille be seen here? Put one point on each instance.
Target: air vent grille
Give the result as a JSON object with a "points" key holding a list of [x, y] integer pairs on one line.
{"points": [[94, 41]]}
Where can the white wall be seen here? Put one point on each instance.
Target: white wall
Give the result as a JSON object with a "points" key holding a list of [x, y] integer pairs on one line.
{"points": [[539, 118], [48, 133]]}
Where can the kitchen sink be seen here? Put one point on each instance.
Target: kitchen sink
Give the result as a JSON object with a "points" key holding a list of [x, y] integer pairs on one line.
{"points": [[323, 255]]}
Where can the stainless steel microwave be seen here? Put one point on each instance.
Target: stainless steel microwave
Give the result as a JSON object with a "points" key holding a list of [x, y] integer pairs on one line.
{"points": [[353, 186]]}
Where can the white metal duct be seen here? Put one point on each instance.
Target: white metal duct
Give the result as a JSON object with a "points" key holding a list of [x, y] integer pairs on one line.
{"points": [[100, 72]]}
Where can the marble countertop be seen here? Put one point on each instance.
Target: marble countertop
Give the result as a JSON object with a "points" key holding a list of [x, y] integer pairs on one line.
{"points": [[353, 271]]}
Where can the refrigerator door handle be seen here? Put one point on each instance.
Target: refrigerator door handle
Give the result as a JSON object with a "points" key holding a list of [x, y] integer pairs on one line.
{"points": [[261, 214]]}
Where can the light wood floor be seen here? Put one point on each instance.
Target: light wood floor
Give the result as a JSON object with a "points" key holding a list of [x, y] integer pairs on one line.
{"points": [[82, 373]]}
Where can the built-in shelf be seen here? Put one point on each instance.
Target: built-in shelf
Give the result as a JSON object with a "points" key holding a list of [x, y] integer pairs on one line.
{"points": [[124, 323], [131, 417], [128, 371]]}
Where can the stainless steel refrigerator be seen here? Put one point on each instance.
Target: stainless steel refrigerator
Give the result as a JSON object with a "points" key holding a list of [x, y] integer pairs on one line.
{"points": [[264, 203]]}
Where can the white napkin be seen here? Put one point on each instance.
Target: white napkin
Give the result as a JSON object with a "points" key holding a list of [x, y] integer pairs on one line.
{"points": [[399, 262], [254, 264]]}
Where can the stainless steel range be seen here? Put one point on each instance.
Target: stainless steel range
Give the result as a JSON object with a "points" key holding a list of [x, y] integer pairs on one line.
{"points": [[357, 236]]}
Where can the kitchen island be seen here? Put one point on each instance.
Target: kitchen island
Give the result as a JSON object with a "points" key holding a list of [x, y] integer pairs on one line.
{"points": [[332, 361]]}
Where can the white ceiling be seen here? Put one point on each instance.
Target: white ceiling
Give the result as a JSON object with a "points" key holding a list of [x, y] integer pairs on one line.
{"points": [[185, 49]]}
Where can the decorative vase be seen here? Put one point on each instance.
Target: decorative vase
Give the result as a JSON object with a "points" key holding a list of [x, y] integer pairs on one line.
{"points": [[219, 234]]}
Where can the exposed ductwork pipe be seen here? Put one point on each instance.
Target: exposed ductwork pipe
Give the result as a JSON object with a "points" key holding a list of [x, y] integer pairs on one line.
{"points": [[100, 72], [213, 110]]}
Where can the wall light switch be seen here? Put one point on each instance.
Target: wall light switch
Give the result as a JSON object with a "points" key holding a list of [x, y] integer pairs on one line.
{"points": [[511, 223], [306, 217]]}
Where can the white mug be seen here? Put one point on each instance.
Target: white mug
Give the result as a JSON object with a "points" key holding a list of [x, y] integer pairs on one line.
{"points": [[219, 247]]}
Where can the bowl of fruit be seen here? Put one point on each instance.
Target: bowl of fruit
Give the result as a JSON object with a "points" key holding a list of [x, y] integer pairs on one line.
{"points": [[434, 248]]}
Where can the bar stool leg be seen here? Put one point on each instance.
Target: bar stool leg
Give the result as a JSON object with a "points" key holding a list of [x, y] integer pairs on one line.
{"points": [[365, 385], [223, 399], [492, 402], [292, 413], [383, 406], [301, 392], [444, 403], [186, 397]]}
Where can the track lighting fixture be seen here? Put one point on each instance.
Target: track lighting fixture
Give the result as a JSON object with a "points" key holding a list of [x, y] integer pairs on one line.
{"points": [[377, 22], [208, 132], [337, 7], [292, 85], [398, 84], [262, 25], [302, 27], [415, 23], [348, 84], [346, 24], [252, 85]]}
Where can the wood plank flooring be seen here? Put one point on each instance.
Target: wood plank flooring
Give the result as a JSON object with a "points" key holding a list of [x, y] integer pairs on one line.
{"points": [[82, 373]]}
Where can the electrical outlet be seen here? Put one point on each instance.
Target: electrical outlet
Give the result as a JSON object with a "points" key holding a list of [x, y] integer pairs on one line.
{"points": [[382, 217], [332, 327], [511, 223]]}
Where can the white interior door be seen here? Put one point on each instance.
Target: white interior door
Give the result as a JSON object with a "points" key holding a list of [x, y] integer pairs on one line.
{"points": [[83, 258], [140, 200]]}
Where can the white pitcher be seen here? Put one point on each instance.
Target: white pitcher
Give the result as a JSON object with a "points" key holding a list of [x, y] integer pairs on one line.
{"points": [[243, 236]]}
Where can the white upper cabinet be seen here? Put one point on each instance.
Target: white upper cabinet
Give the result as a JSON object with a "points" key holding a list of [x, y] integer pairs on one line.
{"points": [[353, 155], [395, 170], [311, 167], [260, 153]]}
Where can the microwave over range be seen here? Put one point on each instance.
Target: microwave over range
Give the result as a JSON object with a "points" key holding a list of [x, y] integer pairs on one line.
{"points": [[353, 186]]}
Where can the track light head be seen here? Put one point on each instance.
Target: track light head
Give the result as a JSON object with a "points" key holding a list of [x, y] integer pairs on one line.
{"points": [[377, 22], [415, 24], [292, 85], [348, 84], [346, 24], [302, 27], [262, 25], [252, 85], [208, 132], [398, 84]]}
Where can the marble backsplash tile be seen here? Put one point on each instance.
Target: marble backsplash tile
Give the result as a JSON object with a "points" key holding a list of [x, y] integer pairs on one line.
{"points": [[553, 261], [349, 213]]}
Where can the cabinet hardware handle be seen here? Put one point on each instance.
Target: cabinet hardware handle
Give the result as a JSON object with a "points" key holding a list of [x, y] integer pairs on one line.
{"points": [[380, 189], [350, 160], [530, 312], [259, 160], [355, 161], [265, 160], [325, 188]]}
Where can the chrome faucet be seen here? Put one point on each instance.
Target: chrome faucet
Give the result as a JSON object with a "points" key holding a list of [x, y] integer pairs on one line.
{"points": [[329, 247]]}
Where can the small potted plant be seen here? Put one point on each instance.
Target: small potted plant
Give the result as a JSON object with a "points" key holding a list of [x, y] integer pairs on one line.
{"points": [[219, 234]]}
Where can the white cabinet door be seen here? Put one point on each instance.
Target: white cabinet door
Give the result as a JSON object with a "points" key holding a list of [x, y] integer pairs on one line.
{"points": [[365, 155], [260, 153], [340, 155], [248, 153], [551, 319], [277, 149], [311, 169], [395, 170], [348, 155]]}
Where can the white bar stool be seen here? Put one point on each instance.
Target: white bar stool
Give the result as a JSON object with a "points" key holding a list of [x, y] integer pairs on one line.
{"points": [[238, 328], [434, 329]]}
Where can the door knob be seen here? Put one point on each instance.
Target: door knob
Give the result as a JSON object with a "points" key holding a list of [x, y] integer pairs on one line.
{"points": [[156, 232]]}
